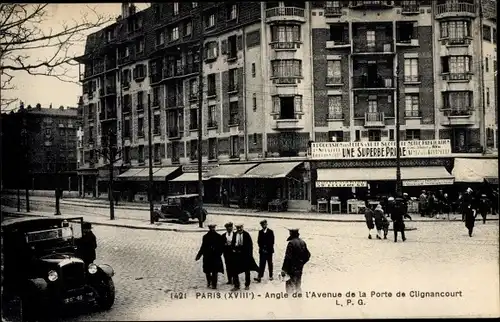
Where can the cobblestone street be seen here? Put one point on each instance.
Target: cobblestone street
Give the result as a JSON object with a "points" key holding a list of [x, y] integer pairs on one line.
{"points": [[152, 266], [440, 257]]}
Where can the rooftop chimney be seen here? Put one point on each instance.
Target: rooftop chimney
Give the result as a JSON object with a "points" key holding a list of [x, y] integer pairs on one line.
{"points": [[61, 107], [125, 10]]}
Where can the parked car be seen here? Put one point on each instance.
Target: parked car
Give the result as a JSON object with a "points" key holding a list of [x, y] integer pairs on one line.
{"points": [[42, 271], [181, 207]]}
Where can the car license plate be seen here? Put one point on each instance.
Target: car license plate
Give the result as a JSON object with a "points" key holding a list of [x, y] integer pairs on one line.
{"points": [[73, 299]]}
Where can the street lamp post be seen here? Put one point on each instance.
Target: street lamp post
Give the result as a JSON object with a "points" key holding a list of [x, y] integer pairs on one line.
{"points": [[150, 150], [398, 138], [200, 132]]}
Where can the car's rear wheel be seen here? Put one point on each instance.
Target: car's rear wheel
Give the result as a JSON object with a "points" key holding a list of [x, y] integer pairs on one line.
{"points": [[106, 294]]}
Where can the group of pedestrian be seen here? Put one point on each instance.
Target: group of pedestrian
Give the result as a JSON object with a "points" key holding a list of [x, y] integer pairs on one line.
{"points": [[394, 208], [236, 246], [432, 204], [472, 205]]}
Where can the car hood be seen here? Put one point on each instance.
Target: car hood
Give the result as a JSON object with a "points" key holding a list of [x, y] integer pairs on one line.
{"points": [[60, 259]]}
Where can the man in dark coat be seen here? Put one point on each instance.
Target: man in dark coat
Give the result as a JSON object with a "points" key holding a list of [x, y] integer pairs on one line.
{"points": [[484, 207], [211, 249], [266, 250], [228, 251], [296, 256], [242, 257], [398, 214], [87, 244]]}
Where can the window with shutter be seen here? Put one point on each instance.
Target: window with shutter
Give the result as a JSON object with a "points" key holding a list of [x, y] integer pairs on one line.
{"points": [[239, 42], [224, 47]]}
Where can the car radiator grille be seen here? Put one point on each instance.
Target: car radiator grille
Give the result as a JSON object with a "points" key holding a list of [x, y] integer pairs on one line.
{"points": [[73, 275]]}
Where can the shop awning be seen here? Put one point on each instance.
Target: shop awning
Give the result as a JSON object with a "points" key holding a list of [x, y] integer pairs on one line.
{"points": [[230, 171], [188, 177], [142, 174], [340, 178], [359, 177], [425, 176], [474, 170], [273, 170], [131, 173]]}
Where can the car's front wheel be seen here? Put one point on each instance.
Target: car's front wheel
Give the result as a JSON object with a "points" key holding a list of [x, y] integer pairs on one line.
{"points": [[106, 294]]}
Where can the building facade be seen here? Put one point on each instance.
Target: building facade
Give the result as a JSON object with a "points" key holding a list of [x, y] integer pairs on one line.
{"points": [[39, 148], [276, 76]]}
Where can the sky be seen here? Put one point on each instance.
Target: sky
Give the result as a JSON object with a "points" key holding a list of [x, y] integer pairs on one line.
{"points": [[46, 90]]}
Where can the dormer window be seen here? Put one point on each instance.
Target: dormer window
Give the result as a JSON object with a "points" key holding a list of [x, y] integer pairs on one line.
{"points": [[232, 12], [176, 8]]}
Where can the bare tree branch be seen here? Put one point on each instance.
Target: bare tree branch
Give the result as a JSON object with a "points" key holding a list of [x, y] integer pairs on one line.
{"points": [[22, 32]]}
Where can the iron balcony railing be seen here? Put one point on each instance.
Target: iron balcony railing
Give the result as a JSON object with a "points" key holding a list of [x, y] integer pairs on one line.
{"points": [[374, 118], [373, 48], [285, 11], [173, 132], [453, 111], [457, 76], [456, 7], [410, 7], [370, 4], [411, 78], [413, 113], [333, 11], [335, 115], [212, 123], [366, 82], [334, 80]]}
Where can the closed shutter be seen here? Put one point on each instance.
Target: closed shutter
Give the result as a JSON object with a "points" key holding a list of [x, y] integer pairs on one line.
{"points": [[188, 148], [146, 152], [239, 42], [162, 150], [364, 134], [205, 51], [224, 47], [135, 72]]}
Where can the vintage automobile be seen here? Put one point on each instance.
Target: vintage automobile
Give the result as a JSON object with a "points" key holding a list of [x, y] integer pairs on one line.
{"points": [[42, 271], [181, 208]]}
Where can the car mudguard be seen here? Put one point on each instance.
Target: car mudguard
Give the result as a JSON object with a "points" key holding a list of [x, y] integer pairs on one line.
{"points": [[38, 283], [108, 270]]}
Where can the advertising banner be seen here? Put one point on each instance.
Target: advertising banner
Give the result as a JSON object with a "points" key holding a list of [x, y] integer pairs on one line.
{"points": [[379, 149], [341, 184], [427, 182]]}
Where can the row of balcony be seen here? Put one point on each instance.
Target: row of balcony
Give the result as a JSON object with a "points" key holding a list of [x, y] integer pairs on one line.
{"points": [[168, 73], [363, 48]]}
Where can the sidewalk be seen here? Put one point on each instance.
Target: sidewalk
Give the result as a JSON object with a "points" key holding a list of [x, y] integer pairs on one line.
{"points": [[214, 210]]}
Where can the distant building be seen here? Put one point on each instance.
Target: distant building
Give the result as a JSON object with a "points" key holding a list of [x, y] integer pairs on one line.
{"points": [[39, 148]]}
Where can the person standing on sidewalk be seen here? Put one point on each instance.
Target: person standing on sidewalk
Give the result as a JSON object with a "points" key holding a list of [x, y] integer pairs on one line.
{"points": [[296, 256], [228, 251], [369, 219], [211, 249], [266, 250], [484, 207], [397, 216], [243, 257], [378, 214]]}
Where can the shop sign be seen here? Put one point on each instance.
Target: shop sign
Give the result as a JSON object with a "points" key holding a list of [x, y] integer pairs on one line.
{"points": [[379, 149], [341, 184], [194, 168], [427, 182]]}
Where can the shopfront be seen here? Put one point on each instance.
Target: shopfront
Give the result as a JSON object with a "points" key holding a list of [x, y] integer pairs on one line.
{"points": [[134, 183], [87, 183], [344, 171], [187, 183], [476, 173], [285, 182]]}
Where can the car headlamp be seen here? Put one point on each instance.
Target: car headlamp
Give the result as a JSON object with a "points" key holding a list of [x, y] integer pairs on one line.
{"points": [[52, 276], [92, 268]]}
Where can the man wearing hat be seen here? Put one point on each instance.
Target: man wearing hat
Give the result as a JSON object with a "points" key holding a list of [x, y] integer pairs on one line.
{"points": [[397, 216], [484, 207], [296, 256], [242, 257], [87, 244], [266, 250], [211, 249], [228, 251]]}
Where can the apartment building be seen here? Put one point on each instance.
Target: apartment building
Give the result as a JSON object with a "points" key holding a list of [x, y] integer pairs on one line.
{"points": [[39, 148], [276, 77]]}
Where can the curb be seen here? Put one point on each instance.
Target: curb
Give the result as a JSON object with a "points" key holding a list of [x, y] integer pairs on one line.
{"points": [[239, 214], [97, 223]]}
